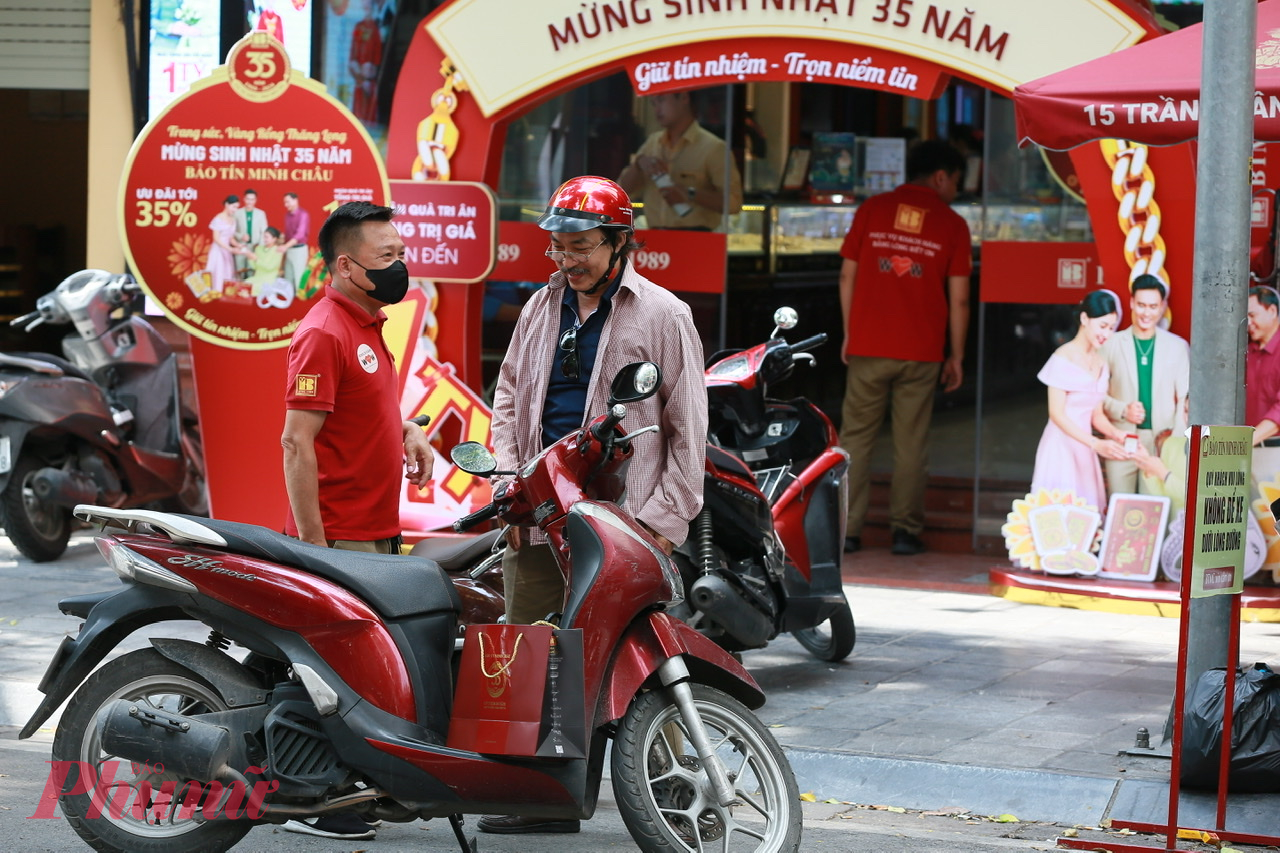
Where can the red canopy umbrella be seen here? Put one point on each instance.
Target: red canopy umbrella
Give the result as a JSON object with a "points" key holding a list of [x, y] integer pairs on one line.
{"points": [[1147, 93]]}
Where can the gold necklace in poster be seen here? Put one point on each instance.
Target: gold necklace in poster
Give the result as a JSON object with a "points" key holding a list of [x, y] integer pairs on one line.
{"points": [[1144, 354]]}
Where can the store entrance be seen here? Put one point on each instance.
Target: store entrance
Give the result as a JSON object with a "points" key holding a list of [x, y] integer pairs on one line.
{"points": [[807, 155]]}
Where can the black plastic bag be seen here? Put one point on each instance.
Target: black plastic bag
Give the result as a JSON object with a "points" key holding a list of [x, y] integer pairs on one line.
{"points": [[1255, 731]]}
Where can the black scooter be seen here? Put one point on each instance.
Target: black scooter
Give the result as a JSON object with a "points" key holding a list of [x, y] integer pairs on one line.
{"points": [[763, 556], [103, 425]]}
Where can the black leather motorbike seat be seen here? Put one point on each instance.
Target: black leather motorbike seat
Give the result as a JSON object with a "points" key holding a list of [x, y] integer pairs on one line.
{"points": [[456, 554], [394, 585]]}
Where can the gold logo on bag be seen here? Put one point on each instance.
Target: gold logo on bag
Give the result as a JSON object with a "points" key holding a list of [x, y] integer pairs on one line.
{"points": [[498, 679], [496, 685]]}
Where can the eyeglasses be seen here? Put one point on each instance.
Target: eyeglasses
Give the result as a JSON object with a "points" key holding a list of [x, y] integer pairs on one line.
{"points": [[577, 257], [569, 346]]}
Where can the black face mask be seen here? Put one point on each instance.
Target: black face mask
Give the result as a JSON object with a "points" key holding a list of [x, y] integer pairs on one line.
{"points": [[390, 284]]}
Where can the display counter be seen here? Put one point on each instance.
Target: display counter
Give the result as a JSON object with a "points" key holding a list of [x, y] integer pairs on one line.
{"points": [[794, 237]]}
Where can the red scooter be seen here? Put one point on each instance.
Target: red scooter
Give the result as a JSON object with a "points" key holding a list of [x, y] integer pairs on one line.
{"points": [[343, 702], [763, 556]]}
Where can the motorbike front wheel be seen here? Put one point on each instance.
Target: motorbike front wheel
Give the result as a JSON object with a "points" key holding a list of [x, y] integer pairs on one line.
{"points": [[665, 795], [127, 811], [833, 640], [37, 528]]}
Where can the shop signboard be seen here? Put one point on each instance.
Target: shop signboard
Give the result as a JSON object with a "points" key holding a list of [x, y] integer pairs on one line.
{"points": [[1038, 273], [1000, 42], [449, 228], [1220, 494], [252, 124], [680, 261], [709, 64]]}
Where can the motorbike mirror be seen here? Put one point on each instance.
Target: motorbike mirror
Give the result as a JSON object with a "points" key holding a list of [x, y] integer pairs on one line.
{"points": [[474, 458], [637, 381], [785, 318]]}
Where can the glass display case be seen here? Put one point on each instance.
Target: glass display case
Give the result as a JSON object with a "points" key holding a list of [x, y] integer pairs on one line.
{"points": [[1063, 221], [806, 237], [746, 230], [784, 237]]}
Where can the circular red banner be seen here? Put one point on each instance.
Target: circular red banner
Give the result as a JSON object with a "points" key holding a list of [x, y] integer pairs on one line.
{"points": [[209, 260]]}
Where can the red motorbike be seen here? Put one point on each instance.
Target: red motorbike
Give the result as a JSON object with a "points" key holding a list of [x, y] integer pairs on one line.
{"points": [[763, 556], [343, 700]]}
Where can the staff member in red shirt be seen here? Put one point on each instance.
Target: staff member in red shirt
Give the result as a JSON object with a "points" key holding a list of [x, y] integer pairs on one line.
{"points": [[344, 440], [904, 296]]}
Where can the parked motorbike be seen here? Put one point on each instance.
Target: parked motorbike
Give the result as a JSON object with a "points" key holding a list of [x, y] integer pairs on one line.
{"points": [[763, 556], [104, 425], [343, 702]]}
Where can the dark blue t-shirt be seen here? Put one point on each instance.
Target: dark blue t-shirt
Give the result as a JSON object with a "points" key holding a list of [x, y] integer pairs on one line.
{"points": [[567, 398]]}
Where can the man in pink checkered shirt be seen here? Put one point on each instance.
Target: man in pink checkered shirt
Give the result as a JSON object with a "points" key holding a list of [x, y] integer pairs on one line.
{"points": [[596, 315]]}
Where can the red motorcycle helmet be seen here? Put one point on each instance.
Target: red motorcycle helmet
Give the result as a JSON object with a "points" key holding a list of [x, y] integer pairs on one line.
{"points": [[585, 203]]}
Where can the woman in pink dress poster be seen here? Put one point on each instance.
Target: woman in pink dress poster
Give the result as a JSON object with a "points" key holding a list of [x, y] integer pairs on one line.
{"points": [[1077, 376], [221, 263]]}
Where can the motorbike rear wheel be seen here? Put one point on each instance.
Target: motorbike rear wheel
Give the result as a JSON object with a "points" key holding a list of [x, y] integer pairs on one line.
{"points": [[37, 528], [664, 793], [833, 640], [151, 680]]}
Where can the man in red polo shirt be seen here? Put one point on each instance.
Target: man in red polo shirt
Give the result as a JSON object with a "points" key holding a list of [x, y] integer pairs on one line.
{"points": [[904, 295], [345, 443], [344, 440]]}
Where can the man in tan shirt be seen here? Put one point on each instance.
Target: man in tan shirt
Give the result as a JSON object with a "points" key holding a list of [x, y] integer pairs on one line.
{"points": [[679, 172]]}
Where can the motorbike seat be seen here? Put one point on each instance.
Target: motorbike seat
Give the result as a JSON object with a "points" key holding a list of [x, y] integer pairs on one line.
{"points": [[394, 585], [456, 554], [61, 363]]}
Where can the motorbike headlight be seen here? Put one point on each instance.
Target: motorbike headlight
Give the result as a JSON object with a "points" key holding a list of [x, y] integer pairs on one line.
{"points": [[532, 464], [671, 572], [132, 566], [737, 367]]}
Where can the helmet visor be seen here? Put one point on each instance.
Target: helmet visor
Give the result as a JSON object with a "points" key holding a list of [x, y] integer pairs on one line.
{"points": [[569, 221]]}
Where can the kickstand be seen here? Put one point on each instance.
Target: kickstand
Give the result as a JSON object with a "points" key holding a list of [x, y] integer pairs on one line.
{"points": [[455, 820]]}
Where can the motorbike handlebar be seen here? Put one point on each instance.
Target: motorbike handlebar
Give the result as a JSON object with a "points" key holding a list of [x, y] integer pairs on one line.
{"points": [[122, 290], [605, 428], [809, 343], [25, 319], [485, 513]]}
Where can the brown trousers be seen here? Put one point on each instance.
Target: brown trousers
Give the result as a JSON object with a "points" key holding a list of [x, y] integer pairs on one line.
{"points": [[532, 583], [375, 546], [905, 389]]}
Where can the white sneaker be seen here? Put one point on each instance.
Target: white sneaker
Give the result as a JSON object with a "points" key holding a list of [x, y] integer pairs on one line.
{"points": [[344, 825]]}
